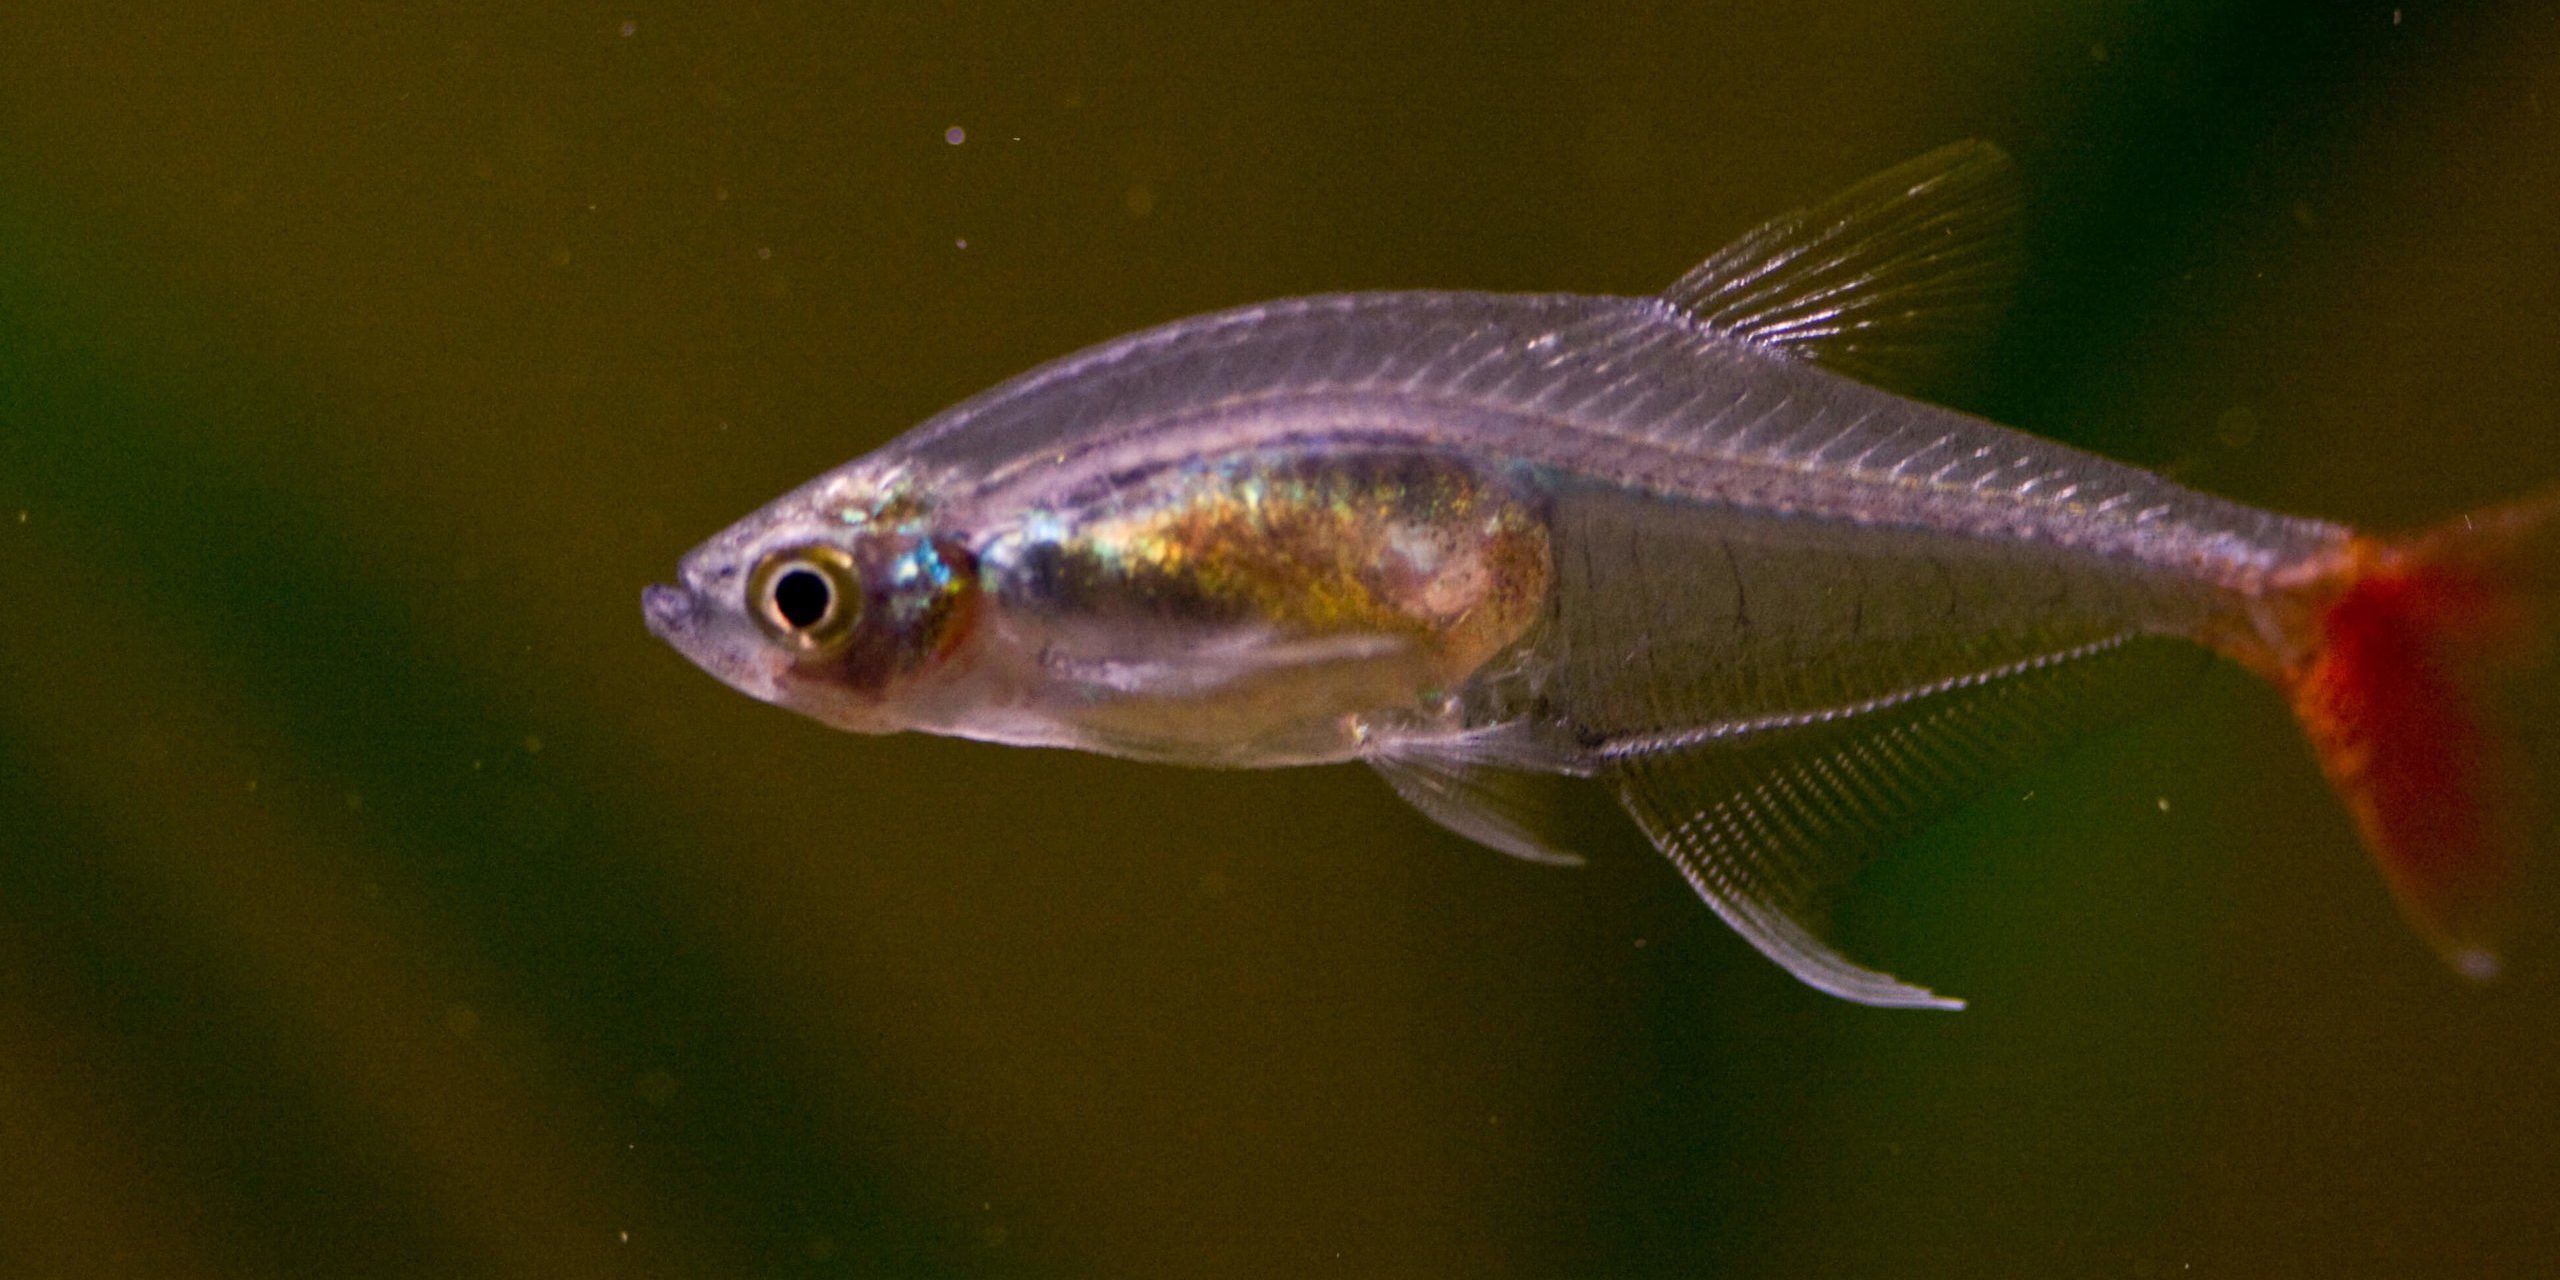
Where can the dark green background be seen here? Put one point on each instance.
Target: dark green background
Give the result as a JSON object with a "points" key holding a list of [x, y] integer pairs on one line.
{"points": [[377, 899]]}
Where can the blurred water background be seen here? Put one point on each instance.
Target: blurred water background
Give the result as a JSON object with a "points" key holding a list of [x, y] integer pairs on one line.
{"points": [[377, 899]]}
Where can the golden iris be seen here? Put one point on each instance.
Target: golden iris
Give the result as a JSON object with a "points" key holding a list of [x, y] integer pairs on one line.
{"points": [[808, 597]]}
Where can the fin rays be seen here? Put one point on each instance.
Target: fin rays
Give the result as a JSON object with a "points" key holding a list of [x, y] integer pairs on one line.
{"points": [[1456, 785], [1770, 827], [1881, 281]]}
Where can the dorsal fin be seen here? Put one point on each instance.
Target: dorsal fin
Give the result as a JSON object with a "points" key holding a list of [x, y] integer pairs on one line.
{"points": [[1882, 281]]}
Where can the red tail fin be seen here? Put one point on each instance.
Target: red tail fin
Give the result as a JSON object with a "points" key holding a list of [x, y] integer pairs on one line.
{"points": [[2410, 643]]}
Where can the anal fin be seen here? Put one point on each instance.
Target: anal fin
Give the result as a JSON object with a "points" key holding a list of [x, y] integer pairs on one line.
{"points": [[1769, 821]]}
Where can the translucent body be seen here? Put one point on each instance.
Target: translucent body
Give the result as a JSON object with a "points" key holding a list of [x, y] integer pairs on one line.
{"points": [[1474, 539], [1735, 537]]}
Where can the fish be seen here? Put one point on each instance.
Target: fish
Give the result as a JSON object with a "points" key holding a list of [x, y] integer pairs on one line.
{"points": [[1699, 550]]}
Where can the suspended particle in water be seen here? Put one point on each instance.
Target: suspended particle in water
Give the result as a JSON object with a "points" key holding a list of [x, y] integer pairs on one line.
{"points": [[2235, 427], [955, 135]]}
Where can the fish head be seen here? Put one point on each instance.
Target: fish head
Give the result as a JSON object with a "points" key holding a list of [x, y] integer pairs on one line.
{"points": [[840, 601]]}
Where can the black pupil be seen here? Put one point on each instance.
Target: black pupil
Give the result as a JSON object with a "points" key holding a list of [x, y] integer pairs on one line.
{"points": [[800, 596]]}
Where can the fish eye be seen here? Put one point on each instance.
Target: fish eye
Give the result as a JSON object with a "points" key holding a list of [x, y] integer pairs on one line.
{"points": [[802, 598], [808, 596]]}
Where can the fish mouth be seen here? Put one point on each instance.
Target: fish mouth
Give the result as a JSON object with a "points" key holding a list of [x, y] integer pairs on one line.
{"points": [[669, 611], [719, 643]]}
